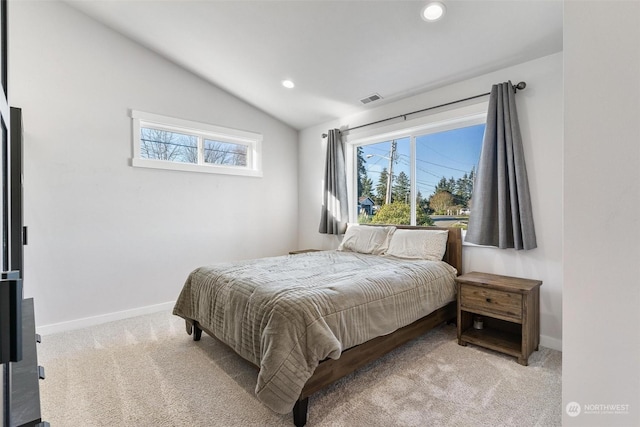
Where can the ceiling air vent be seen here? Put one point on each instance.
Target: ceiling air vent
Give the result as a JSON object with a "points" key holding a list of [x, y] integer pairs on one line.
{"points": [[370, 98]]}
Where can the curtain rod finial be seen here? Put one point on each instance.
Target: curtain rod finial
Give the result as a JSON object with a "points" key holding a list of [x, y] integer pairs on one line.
{"points": [[521, 86], [324, 135]]}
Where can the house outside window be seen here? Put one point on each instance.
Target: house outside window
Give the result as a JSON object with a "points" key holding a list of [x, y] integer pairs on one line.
{"points": [[420, 172], [162, 142]]}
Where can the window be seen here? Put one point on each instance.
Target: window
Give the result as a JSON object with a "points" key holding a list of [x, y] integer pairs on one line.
{"points": [[168, 143], [420, 173]]}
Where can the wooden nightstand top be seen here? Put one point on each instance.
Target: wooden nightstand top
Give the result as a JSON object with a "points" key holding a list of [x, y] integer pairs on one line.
{"points": [[302, 251], [495, 281]]}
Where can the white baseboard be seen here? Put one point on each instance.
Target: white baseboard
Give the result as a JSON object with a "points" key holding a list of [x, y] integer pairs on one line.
{"points": [[552, 343], [103, 318]]}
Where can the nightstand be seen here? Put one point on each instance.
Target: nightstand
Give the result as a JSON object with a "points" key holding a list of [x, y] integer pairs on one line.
{"points": [[509, 308], [302, 251]]}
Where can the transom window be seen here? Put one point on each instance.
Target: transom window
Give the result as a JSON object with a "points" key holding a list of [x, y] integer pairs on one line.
{"points": [[169, 143], [419, 175]]}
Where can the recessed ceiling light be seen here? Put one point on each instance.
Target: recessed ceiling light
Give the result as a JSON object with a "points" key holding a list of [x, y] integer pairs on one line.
{"points": [[288, 84], [433, 11]]}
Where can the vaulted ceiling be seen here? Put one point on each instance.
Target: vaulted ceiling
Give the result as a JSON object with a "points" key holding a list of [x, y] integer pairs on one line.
{"points": [[336, 52]]}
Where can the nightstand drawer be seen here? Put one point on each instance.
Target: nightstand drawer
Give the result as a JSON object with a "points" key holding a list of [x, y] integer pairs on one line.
{"points": [[499, 302]]}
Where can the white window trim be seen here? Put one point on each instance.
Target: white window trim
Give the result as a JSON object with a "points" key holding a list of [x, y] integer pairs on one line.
{"points": [[252, 140], [439, 122]]}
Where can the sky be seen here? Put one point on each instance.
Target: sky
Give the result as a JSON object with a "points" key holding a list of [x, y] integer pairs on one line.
{"points": [[443, 154]]}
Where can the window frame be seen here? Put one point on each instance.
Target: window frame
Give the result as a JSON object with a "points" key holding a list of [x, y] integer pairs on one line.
{"points": [[450, 119], [253, 142]]}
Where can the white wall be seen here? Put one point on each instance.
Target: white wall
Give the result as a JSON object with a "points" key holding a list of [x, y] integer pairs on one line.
{"points": [[540, 112], [601, 358], [105, 237]]}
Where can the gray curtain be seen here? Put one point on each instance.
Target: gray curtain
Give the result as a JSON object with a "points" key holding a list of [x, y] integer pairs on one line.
{"points": [[501, 205], [335, 213]]}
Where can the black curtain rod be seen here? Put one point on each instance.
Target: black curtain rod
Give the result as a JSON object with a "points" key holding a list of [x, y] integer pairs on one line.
{"points": [[519, 86]]}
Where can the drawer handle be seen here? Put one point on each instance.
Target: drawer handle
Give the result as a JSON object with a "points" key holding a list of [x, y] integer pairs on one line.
{"points": [[488, 299]]}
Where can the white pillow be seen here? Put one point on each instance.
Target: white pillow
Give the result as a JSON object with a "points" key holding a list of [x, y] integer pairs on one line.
{"points": [[366, 239], [418, 244]]}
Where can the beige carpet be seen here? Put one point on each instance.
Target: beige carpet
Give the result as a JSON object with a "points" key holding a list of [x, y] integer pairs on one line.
{"points": [[146, 371]]}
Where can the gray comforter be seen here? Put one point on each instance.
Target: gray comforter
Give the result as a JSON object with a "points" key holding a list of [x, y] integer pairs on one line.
{"points": [[286, 314]]}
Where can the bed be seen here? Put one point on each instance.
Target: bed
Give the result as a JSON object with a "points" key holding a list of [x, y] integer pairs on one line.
{"points": [[307, 320]]}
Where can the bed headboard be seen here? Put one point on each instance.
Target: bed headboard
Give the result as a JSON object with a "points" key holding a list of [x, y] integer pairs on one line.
{"points": [[453, 255]]}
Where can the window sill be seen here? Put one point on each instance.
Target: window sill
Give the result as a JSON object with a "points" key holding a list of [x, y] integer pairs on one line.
{"points": [[189, 167], [473, 245]]}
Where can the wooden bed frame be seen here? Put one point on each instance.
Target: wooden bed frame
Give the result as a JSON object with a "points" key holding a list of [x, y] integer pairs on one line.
{"points": [[331, 370]]}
